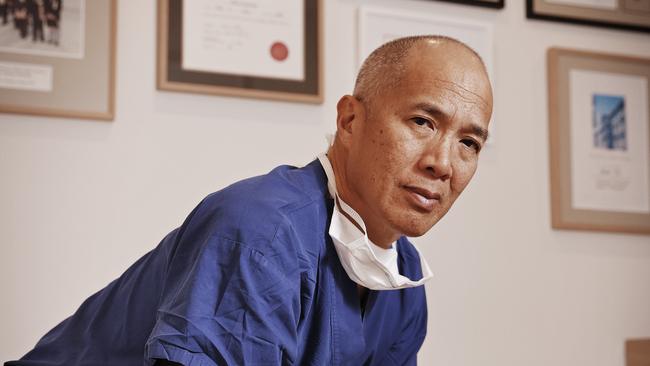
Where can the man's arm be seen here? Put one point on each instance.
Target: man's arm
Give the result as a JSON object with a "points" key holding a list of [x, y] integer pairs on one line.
{"points": [[225, 303]]}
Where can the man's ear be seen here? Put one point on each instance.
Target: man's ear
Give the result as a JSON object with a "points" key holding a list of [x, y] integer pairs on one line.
{"points": [[350, 116]]}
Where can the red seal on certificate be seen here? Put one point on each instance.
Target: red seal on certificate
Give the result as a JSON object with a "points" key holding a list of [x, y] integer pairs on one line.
{"points": [[279, 51]]}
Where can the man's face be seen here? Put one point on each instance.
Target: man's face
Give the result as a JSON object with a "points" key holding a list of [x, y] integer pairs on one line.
{"points": [[417, 146]]}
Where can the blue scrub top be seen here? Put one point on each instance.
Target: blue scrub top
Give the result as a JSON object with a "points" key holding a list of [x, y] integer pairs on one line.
{"points": [[250, 278]]}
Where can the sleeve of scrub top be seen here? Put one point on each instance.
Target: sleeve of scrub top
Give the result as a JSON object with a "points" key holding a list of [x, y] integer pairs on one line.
{"points": [[414, 330], [230, 306]]}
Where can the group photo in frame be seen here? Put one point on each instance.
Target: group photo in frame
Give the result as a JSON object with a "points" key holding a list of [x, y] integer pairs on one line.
{"points": [[620, 14], [599, 130], [256, 49], [57, 58]]}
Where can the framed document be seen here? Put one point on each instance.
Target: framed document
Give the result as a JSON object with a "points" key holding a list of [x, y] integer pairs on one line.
{"points": [[57, 58], [496, 4], [621, 14], [599, 129], [258, 49]]}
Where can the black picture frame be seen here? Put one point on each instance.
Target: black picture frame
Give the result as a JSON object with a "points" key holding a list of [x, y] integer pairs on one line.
{"points": [[604, 18], [494, 4], [172, 77]]}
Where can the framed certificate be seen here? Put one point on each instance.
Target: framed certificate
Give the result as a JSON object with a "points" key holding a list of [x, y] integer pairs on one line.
{"points": [[599, 128], [258, 49], [58, 59], [496, 4], [621, 14]]}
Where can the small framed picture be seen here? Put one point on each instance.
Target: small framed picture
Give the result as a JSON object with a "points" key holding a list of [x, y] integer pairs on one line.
{"points": [[496, 4], [57, 58], [256, 49], [599, 129], [637, 352], [620, 14]]}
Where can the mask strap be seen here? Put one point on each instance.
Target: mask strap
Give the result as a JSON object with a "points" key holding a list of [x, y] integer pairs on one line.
{"points": [[343, 207], [329, 172], [357, 224]]}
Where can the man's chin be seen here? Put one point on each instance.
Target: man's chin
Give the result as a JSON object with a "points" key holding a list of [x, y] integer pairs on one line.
{"points": [[418, 229], [416, 233]]}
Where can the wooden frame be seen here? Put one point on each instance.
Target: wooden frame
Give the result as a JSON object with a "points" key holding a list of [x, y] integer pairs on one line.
{"points": [[171, 76], [631, 15], [495, 4], [599, 178], [79, 86], [637, 352]]}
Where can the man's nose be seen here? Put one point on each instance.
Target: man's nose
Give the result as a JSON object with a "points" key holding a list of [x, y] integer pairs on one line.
{"points": [[436, 159]]}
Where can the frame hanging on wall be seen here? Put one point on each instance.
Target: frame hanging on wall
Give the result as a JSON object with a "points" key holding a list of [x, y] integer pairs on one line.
{"points": [[621, 14], [599, 128], [637, 352], [65, 65], [496, 4], [257, 49]]}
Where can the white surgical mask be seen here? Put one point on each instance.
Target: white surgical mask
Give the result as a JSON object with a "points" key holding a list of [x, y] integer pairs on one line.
{"points": [[357, 253]]}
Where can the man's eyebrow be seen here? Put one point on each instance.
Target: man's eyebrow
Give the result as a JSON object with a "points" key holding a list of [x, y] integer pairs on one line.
{"points": [[479, 131], [430, 109], [435, 111]]}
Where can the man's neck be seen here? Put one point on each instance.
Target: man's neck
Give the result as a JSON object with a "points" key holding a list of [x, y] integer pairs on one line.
{"points": [[378, 233]]}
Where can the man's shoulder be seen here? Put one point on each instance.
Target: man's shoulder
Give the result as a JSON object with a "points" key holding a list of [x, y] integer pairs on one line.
{"points": [[274, 195], [268, 212]]}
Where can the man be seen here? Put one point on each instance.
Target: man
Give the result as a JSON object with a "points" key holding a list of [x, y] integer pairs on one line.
{"points": [[306, 266], [37, 16], [53, 17], [20, 17], [4, 10]]}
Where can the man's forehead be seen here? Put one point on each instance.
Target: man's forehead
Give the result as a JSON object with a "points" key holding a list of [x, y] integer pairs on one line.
{"points": [[443, 51], [458, 72], [445, 89]]}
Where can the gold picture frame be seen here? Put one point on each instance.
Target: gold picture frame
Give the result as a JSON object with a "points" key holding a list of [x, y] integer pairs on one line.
{"points": [[599, 133], [173, 76], [74, 79]]}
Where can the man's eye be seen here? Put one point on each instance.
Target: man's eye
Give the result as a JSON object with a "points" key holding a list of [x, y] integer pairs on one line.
{"points": [[422, 121], [471, 144]]}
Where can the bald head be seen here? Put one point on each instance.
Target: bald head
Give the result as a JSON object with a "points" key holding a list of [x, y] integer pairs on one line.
{"points": [[386, 65]]}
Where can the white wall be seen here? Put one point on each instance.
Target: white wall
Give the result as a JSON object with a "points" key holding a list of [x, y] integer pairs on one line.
{"points": [[81, 200]]}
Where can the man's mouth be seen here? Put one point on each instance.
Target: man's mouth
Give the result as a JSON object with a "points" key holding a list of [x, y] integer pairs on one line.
{"points": [[423, 198]]}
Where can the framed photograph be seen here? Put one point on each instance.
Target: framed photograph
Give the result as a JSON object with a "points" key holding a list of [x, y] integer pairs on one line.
{"points": [[57, 58], [256, 48], [599, 129], [496, 4], [621, 14]]}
